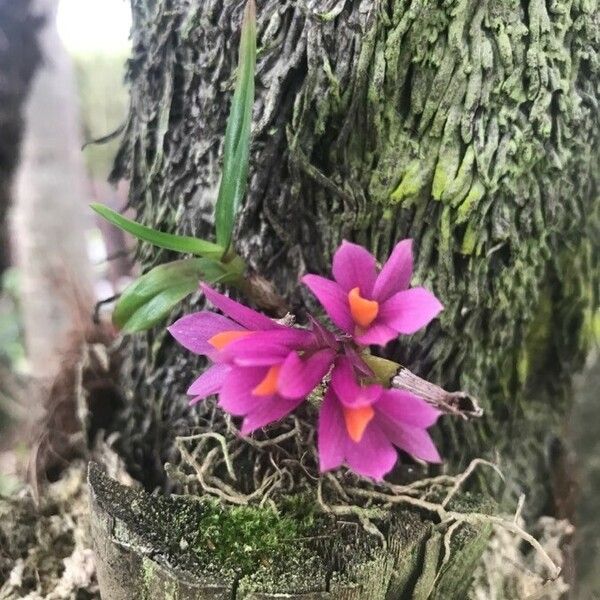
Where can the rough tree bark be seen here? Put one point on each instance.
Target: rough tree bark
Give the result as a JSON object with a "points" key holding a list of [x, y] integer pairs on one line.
{"points": [[468, 125]]}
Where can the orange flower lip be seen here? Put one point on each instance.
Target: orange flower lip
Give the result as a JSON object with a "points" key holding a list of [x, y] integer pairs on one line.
{"points": [[357, 420], [220, 340], [363, 311], [268, 386]]}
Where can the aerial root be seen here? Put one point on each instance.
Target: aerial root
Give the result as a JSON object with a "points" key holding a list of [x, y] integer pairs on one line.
{"points": [[453, 519], [260, 470]]}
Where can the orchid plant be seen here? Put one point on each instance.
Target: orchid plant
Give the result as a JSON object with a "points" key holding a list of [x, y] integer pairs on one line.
{"points": [[262, 368]]}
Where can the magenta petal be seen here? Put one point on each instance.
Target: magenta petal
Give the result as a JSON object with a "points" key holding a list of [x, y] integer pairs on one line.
{"points": [[193, 331], [238, 312], [334, 300], [332, 433], [209, 382], [266, 347], [348, 390], [357, 362], [235, 396], [403, 407], [409, 311], [298, 377], [374, 456], [396, 273], [414, 440], [353, 266], [378, 333], [268, 410], [322, 336], [286, 337]]}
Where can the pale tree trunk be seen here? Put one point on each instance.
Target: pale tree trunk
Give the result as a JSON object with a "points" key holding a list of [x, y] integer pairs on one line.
{"points": [[470, 127], [51, 215], [19, 57]]}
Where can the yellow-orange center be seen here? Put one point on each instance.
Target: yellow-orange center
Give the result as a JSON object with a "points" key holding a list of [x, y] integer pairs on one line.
{"points": [[357, 420], [220, 340], [364, 311], [268, 385]]}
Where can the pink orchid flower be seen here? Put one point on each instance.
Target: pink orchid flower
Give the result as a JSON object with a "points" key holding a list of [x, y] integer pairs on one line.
{"points": [[361, 425], [270, 378], [262, 369], [374, 307], [207, 333]]}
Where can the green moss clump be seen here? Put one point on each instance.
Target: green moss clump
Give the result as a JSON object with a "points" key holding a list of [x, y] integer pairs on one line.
{"points": [[243, 538]]}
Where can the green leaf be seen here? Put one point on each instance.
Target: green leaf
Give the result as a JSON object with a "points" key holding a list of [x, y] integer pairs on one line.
{"points": [[149, 299], [157, 308], [179, 243], [237, 136]]}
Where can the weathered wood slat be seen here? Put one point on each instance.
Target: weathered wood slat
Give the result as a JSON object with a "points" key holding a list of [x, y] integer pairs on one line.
{"points": [[129, 566]]}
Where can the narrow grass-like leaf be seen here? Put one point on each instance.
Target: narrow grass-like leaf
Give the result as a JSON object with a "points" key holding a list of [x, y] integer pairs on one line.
{"points": [[179, 243], [150, 298], [237, 136]]}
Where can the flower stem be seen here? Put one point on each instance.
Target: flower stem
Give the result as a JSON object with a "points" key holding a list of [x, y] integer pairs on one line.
{"points": [[456, 403]]}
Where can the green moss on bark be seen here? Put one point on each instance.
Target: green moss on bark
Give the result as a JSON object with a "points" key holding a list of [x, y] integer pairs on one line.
{"points": [[243, 538]]}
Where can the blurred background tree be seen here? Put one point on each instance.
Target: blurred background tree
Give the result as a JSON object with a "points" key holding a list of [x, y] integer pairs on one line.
{"points": [[52, 253], [19, 58]]}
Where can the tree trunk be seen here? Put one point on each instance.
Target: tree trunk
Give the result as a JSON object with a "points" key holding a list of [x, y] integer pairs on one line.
{"points": [[469, 126], [19, 56], [50, 216]]}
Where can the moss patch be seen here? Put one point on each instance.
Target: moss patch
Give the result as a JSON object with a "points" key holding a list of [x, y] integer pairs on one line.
{"points": [[225, 544], [243, 538]]}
